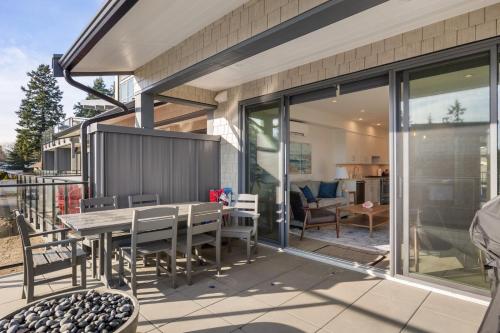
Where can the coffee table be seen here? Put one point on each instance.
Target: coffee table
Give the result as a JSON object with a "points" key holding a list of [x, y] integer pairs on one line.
{"points": [[368, 212]]}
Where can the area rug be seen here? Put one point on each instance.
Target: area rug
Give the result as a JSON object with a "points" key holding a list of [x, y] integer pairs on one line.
{"points": [[352, 237]]}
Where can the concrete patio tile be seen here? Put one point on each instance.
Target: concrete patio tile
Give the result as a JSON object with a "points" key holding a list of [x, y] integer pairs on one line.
{"points": [[326, 300], [162, 309], [456, 308], [143, 325], [427, 321], [199, 321], [239, 310], [260, 271], [11, 288], [277, 322], [386, 307], [6, 308], [206, 292], [284, 287]]}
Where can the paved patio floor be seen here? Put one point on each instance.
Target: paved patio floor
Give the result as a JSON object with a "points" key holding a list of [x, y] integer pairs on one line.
{"points": [[279, 292]]}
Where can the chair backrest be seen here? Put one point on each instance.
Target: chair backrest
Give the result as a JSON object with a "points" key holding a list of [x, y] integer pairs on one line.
{"points": [[204, 217], [143, 200], [98, 204], [23, 228], [247, 202], [153, 224]]}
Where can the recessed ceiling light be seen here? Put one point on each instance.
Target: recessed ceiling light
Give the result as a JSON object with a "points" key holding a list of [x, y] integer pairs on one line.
{"points": [[468, 76], [360, 119], [378, 124], [334, 101], [362, 110]]}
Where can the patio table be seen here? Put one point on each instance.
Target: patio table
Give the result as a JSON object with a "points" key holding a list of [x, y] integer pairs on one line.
{"points": [[104, 223]]}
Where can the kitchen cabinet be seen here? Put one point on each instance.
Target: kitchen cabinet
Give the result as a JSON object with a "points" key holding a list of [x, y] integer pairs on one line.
{"points": [[360, 148]]}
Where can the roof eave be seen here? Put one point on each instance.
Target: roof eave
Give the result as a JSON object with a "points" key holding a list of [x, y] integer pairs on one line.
{"points": [[109, 14]]}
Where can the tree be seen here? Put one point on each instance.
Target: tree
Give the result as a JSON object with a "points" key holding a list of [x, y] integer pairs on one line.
{"points": [[99, 85], [3, 155], [39, 111], [455, 113]]}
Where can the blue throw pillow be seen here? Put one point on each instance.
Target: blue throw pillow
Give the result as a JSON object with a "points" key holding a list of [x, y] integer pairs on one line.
{"points": [[308, 194], [328, 190]]}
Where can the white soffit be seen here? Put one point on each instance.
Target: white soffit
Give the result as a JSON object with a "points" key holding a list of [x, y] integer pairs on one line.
{"points": [[150, 28], [380, 22]]}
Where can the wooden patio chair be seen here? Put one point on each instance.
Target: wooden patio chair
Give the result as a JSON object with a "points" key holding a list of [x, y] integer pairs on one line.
{"points": [[203, 220], [154, 231], [58, 255], [143, 200], [96, 205], [246, 206]]}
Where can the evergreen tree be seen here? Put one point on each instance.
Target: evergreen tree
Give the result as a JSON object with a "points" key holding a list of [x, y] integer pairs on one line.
{"points": [[39, 111], [455, 113], [99, 85]]}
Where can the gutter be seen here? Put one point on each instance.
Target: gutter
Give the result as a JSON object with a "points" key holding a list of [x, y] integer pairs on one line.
{"points": [[122, 110]]}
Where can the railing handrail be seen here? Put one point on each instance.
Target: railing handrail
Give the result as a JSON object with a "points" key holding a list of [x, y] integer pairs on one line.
{"points": [[42, 184]]}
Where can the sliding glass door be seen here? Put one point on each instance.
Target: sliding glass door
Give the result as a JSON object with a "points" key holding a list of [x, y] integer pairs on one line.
{"points": [[264, 166], [446, 161]]}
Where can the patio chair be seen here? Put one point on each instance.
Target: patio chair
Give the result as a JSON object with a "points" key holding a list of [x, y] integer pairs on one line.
{"points": [[246, 206], [154, 231], [58, 255], [96, 205], [143, 200], [203, 220]]}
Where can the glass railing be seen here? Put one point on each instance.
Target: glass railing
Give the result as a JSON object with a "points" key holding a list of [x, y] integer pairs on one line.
{"points": [[48, 135], [41, 200]]}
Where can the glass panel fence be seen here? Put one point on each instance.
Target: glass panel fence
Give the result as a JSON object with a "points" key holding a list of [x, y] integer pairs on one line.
{"points": [[41, 199]]}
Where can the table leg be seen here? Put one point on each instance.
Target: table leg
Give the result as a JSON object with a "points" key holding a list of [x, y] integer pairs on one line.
{"points": [[101, 256], [370, 218], [108, 257]]}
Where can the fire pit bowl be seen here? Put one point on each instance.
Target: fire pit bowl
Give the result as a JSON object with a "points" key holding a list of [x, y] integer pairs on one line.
{"points": [[91, 310]]}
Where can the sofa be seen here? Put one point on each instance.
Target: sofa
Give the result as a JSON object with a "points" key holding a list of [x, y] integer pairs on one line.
{"points": [[321, 213]]}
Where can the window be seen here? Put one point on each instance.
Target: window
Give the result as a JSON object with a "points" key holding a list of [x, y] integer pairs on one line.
{"points": [[126, 90]]}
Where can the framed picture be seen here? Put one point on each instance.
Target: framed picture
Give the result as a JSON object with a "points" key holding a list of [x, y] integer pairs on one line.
{"points": [[300, 158]]}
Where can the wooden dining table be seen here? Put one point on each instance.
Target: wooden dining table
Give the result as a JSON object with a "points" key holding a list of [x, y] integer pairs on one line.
{"points": [[104, 223]]}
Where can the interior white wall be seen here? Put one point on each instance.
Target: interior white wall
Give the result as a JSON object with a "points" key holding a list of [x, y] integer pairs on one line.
{"points": [[333, 141]]}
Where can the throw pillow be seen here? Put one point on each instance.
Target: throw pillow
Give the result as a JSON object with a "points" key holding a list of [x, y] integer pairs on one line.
{"points": [[308, 194], [328, 190]]}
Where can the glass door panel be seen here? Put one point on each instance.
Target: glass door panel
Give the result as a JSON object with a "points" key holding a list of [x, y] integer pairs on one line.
{"points": [[447, 136], [264, 166]]}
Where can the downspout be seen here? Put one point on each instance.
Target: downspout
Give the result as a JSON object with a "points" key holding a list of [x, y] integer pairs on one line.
{"points": [[88, 122]]}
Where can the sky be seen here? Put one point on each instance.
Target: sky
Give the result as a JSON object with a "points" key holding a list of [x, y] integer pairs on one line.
{"points": [[30, 32]]}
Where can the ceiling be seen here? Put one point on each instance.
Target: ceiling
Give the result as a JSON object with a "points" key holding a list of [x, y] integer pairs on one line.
{"points": [[371, 106], [388, 19], [150, 28]]}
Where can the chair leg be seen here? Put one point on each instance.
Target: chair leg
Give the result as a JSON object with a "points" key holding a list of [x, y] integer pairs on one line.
{"points": [[217, 255], [158, 264], [83, 272], [256, 231], [93, 251], [188, 266], [23, 296], [145, 261], [133, 277], [229, 239], [101, 255], [30, 289], [249, 247], [120, 268], [173, 269], [73, 274]]}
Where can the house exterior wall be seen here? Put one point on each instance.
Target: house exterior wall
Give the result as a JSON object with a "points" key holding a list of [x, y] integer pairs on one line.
{"points": [[258, 15], [470, 27]]}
